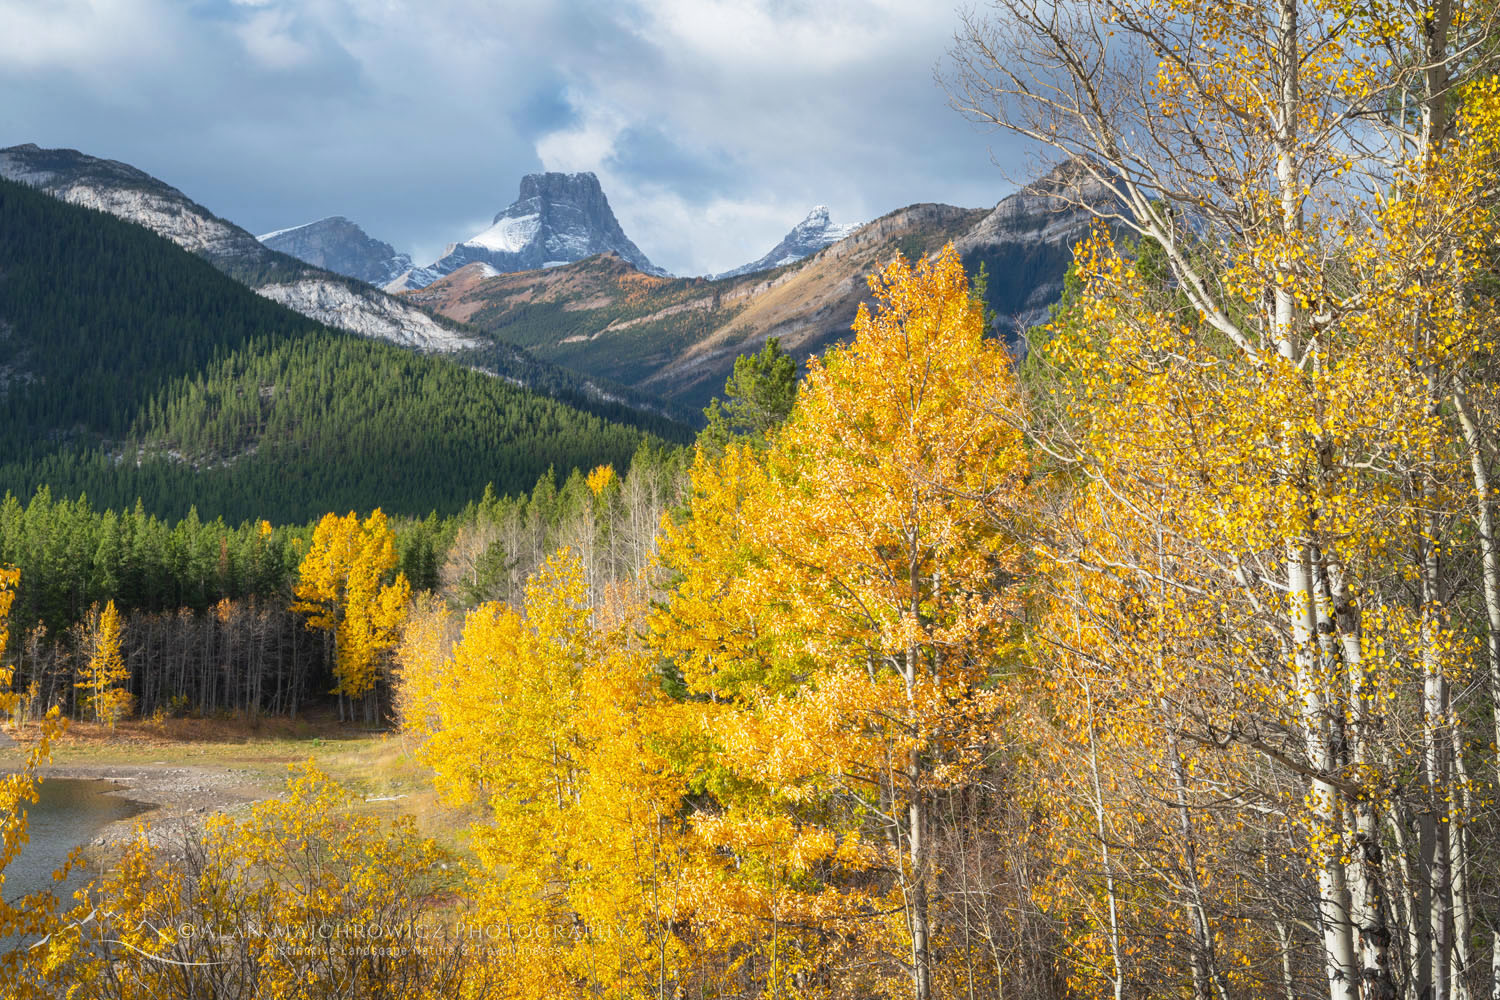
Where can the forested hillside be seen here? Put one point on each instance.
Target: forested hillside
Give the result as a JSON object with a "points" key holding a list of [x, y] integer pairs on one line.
{"points": [[134, 369]]}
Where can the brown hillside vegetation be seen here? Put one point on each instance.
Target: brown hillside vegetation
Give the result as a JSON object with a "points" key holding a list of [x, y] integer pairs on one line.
{"points": [[678, 337]]}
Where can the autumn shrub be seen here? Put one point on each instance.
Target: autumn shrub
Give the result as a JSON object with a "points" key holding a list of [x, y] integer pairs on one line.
{"points": [[302, 900]]}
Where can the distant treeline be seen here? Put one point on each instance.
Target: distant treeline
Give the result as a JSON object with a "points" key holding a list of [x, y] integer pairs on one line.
{"points": [[204, 603]]}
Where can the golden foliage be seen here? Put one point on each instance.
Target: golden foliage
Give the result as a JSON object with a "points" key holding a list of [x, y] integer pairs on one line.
{"points": [[340, 589], [301, 900], [846, 596], [30, 918], [106, 671], [561, 730]]}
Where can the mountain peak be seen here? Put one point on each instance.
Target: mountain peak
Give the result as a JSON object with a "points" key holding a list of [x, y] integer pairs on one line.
{"points": [[552, 184], [339, 245], [557, 218], [806, 238], [134, 195]]}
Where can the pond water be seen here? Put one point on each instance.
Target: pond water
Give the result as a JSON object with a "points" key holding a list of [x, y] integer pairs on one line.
{"points": [[69, 813]]}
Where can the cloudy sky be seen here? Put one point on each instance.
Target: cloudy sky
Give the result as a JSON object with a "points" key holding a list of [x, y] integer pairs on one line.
{"points": [[714, 125]]}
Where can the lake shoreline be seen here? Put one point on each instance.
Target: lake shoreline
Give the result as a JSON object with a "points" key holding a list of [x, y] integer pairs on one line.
{"points": [[174, 794]]}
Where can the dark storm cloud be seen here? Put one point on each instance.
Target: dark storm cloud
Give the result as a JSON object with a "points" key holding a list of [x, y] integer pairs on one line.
{"points": [[713, 124]]}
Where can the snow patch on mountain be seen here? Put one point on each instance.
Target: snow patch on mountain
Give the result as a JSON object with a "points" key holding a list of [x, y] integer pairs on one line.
{"points": [[372, 315], [508, 235], [135, 196]]}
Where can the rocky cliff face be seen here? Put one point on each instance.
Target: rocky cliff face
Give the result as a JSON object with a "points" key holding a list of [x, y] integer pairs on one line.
{"points": [[131, 194], [555, 219], [1026, 243], [338, 245], [678, 337], [806, 238]]}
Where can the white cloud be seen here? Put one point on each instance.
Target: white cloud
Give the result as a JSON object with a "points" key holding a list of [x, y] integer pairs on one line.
{"points": [[797, 39], [587, 145], [713, 124], [828, 102], [268, 38], [89, 38]]}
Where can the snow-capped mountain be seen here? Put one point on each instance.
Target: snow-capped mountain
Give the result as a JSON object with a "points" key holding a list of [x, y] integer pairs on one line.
{"points": [[556, 219], [806, 238], [134, 195], [339, 245]]}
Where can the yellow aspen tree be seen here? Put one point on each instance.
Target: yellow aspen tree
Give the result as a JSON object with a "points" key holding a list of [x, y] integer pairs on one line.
{"points": [[849, 591], [426, 645], [1293, 423], [1189, 497], [302, 898], [601, 478], [341, 588], [562, 732], [106, 671]]}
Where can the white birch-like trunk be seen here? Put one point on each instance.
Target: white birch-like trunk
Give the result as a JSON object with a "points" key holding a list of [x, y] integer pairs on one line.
{"points": [[1436, 755], [1333, 897], [1340, 964], [1339, 615], [916, 833], [1460, 808], [1484, 518]]}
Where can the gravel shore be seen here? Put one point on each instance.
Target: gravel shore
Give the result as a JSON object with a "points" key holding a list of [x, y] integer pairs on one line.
{"points": [[175, 794]]}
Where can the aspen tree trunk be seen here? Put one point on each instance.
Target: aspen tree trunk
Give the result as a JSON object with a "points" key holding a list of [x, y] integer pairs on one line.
{"points": [[1484, 516], [1435, 759], [1396, 915], [1495, 964], [1333, 895], [1435, 24], [917, 838], [1339, 615], [921, 970], [1413, 909], [1284, 946], [917, 841], [1459, 809], [1118, 979], [1207, 983]]}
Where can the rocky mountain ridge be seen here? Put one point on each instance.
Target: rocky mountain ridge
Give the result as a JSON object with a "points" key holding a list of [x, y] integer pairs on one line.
{"points": [[341, 302], [678, 337], [136, 196]]}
